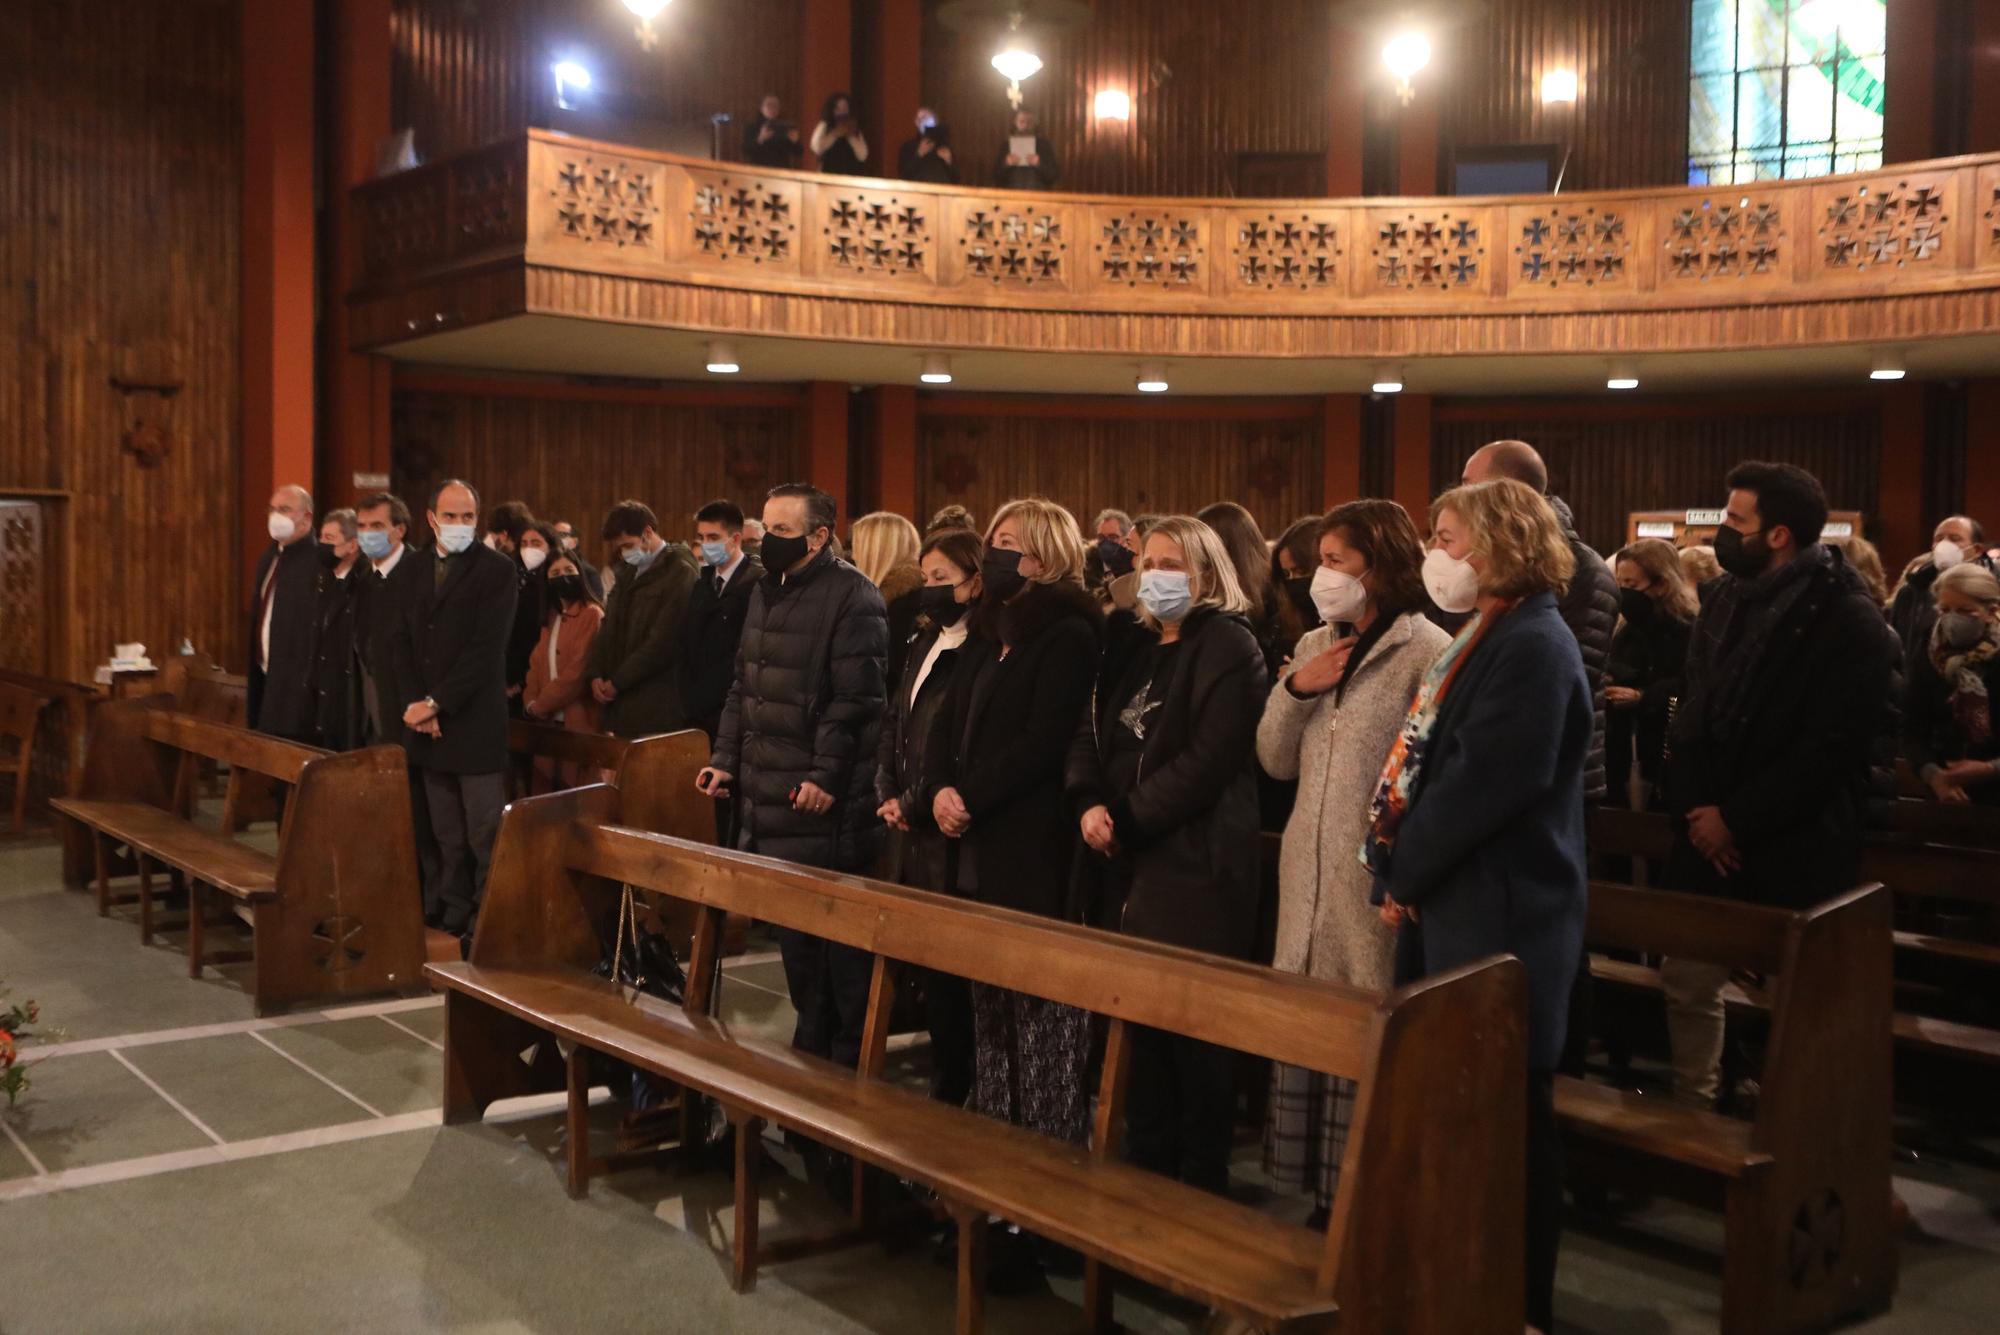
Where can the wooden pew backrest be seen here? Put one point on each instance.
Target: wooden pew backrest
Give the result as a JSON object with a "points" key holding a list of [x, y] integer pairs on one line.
{"points": [[1663, 922], [239, 748], [526, 738], [656, 786]]}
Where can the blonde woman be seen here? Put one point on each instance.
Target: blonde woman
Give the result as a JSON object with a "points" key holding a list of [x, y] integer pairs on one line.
{"points": [[1698, 563], [1948, 731], [1642, 678], [885, 549], [1476, 833], [1164, 779], [1022, 681]]}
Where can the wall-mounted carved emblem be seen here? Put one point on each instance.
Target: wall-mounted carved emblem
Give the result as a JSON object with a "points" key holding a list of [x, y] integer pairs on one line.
{"points": [[609, 203], [339, 943], [149, 387], [1818, 1239]]}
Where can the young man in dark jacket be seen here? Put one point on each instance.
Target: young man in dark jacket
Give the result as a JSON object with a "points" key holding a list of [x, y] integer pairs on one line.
{"points": [[797, 743], [1768, 768], [451, 661], [635, 661], [716, 609]]}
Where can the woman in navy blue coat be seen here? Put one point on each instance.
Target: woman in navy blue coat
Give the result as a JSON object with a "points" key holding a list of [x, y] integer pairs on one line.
{"points": [[1477, 833]]}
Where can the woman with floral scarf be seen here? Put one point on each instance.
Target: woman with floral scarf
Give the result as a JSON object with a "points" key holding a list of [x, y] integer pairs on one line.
{"points": [[1948, 732]]}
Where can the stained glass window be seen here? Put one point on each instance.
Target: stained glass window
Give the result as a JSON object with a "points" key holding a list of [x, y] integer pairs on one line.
{"points": [[1784, 88]]}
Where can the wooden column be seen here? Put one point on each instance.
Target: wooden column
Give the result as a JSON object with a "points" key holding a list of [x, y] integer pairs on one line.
{"points": [[1410, 483], [895, 447], [826, 442], [1899, 495], [1909, 122], [1982, 455], [1340, 440], [1346, 110], [828, 64], [1982, 130], [895, 85], [356, 385], [276, 316], [1417, 138]]}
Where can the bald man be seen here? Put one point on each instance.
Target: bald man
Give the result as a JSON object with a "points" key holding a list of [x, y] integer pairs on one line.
{"points": [[284, 600], [1956, 539], [1589, 608]]}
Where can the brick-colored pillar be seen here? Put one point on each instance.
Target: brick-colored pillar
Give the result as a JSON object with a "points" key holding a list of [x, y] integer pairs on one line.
{"points": [[826, 442], [1411, 481], [1340, 443]]}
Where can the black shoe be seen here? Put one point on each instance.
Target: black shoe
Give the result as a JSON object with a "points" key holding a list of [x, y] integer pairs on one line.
{"points": [[1011, 1267], [1056, 1259]]}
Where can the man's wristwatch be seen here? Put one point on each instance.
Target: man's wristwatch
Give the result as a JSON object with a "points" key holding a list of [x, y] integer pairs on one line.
{"points": [[427, 700]]}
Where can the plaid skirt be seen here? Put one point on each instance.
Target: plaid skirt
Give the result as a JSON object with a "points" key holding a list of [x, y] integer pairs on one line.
{"points": [[1028, 1062], [1307, 1130]]}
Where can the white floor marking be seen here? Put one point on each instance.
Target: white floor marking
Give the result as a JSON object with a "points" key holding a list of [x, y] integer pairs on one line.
{"points": [[22, 1145], [178, 1106], [744, 961], [360, 1103], [151, 1037], [152, 1165], [398, 1024]]}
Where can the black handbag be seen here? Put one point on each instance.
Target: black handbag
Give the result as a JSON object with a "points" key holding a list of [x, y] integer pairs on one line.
{"points": [[643, 961]]}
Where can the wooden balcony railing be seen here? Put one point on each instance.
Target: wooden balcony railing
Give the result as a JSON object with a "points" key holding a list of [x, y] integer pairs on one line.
{"points": [[554, 225]]}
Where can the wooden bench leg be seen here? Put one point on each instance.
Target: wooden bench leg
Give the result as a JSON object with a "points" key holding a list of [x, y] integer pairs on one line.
{"points": [[145, 900], [749, 1175], [1748, 1269], [1097, 1287], [577, 1123], [972, 1235], [101, 859], [195, 926]]}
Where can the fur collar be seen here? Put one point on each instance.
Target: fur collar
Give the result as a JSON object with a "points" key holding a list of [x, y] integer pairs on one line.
{"points": [[1044, 605]]}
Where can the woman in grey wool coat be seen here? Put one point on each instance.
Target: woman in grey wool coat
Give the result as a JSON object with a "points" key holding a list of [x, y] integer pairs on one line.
{"points": [[1329, 724]]}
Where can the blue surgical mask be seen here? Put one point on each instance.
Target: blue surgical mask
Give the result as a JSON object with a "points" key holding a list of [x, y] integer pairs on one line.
{"points": [[638, 557], [1165, 594], [715, 554], [375, 544], [454, 538]]}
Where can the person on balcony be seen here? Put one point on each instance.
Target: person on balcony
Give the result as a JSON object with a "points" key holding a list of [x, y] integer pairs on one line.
{"points": [[772, 140], [837, 141], [1033, 169], [926, 155]]}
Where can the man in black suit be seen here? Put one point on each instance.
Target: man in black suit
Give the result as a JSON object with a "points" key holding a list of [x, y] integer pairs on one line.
{"points": [[283, 611], [715, 613], [386, 591], [451, 667]]}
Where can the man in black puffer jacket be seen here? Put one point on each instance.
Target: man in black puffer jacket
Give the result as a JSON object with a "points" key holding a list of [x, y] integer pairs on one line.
{"points": [[797, 743], [1589, 606]]}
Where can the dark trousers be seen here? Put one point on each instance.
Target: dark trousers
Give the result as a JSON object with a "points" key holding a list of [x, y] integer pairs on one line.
{"points": [[1543, 1233], [1180, 1104], [829, 987], [465, 817], [426, 842], [948, 1015]]}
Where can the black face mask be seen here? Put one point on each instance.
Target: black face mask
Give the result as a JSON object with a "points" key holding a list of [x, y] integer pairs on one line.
{"points": [[1743, 556], [568, 588], [1299, 589], [329, 559], [1117, 557], [940, 603], [1000, 573], [1635, 604], [781, 554]]}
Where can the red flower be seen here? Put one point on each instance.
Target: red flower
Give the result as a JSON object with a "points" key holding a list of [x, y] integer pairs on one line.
{"points": [[6, 1049]]}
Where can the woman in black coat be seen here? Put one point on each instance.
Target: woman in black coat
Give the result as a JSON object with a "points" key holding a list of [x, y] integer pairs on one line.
{"points": [[1642, 677], [1476, 833], [915, 853], [1163, 777], [1954, 677], [1022, 682]]}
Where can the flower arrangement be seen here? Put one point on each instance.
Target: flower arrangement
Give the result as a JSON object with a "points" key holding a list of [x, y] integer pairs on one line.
{"points": [[16, 1023]]}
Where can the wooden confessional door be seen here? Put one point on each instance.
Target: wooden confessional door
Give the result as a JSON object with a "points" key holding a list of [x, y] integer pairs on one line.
{"points": [[26, 586]]}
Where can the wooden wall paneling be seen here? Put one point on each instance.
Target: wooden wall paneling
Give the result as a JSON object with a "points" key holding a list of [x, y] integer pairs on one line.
{"points": [[1609, 460], [468, 72], [120, 183], [1208, 85], [1981, 497], [573, 452], [1272, 463], [1628, 126]]}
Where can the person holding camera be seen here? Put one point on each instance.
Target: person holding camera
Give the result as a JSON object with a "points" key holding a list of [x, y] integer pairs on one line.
{"points": [[837, 141], [772, 140], [926, 155]]}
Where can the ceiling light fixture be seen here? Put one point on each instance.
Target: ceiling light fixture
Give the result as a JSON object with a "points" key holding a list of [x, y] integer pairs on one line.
{"points": [[569, 75], [1388, 380], [722, 358], [646, 11], [1015, 63], [937, 369], [1558, 86], [1888, 366], [1112, 104], [1152, 378], [1405, 54], [1623, 376]]}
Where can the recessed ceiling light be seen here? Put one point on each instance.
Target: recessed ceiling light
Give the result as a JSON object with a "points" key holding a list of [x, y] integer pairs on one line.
{"points": [[1888, 366], [1622, 382], [722, 358], [1152, 378], [937, 369], [1388, 380]]}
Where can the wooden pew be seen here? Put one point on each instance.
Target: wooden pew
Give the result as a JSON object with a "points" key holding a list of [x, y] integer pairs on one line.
{"points": [[1961, 824], [1441, 1067], [1804, 1188], [58, 756], [335, 914], [20, 721], [528, 741]]}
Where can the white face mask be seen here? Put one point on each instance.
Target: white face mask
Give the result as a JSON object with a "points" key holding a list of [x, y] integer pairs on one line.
{"points": [[454, 538], [1338, 595], [532, 557], [281, 527], [1947, 554], [1453, 584]]}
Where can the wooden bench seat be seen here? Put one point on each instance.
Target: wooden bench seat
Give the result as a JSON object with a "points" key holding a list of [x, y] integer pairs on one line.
{"points": [[1441, 1068], [334, 913], [1814, 1162], [1057, 1190]]}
